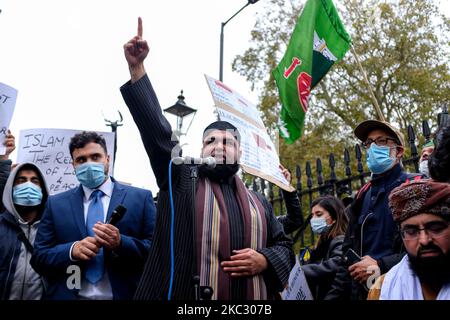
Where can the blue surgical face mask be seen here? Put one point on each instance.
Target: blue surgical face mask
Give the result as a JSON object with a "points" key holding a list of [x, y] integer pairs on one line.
{"points": [[27, 194], [379, 159], [319, 225], [91, 174]]}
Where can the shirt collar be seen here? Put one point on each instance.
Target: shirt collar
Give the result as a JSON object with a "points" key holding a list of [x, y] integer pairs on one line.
{"points": [[106, 187]]}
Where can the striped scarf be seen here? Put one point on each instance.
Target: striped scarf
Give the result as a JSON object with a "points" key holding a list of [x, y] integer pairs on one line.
{"points": [[213, 237]]}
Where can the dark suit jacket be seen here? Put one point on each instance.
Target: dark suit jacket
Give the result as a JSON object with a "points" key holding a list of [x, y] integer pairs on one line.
{"points": [[63, 223], [156, 135]]}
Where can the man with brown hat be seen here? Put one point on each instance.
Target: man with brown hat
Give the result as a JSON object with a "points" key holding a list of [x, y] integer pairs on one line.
{"points": [[372, 233], [424, 273]]}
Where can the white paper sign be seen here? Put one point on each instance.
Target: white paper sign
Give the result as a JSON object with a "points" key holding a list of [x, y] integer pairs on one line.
{"points": [[8, 96], [259, 155], [48, 149], [298, 288]]}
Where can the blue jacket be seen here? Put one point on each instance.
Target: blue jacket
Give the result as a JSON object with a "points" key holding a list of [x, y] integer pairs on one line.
{"points": [[371, 231], [63, 223], [375, 222], [10, 247]]}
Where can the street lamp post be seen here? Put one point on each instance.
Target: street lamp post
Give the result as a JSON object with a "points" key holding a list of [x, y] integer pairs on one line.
{"points": [[181, 110], [443, 116], [114, 125], [221, 36]]}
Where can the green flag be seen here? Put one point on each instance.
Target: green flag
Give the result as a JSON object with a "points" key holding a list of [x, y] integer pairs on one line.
{"points": [[318, 41]]}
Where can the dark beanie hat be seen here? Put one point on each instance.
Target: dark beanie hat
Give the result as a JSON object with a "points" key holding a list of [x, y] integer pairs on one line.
{"points": [[223, 126]]}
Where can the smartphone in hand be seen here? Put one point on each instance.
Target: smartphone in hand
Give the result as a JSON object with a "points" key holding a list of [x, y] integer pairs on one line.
{"points": [[351, 257]]}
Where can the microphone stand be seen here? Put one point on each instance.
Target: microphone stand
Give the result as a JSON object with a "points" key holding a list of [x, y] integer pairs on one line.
{"points": [[200, 292], [195, 276]]}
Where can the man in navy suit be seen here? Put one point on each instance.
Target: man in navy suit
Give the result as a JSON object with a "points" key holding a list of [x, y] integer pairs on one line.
{"points": [[80, 255]]}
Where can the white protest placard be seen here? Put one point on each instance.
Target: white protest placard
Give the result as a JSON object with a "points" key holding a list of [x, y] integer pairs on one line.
{"points": [[48, 149], [297, 288], [259, 155], [8, 96]]}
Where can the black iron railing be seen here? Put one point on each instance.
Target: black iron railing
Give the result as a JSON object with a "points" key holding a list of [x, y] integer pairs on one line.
{"points": [[343, 185]]}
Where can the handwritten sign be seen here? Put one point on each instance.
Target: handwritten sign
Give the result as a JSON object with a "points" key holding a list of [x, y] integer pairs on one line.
{"points": [[48, 149], [8, 96], [259, 155], [298, 288]]}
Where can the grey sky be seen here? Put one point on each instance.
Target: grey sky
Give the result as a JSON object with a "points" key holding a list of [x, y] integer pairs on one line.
{"points": [[66, 60]]}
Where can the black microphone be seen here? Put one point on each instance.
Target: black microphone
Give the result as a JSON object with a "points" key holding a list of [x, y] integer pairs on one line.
{"points": [[117, 214], [208, 161]]}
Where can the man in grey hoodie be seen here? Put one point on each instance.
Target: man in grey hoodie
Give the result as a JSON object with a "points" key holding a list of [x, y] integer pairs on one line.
{"points": [[24, 199]]}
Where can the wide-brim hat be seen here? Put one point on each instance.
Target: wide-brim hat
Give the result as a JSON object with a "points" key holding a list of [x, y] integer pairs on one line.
{"points": [[363, 129]]}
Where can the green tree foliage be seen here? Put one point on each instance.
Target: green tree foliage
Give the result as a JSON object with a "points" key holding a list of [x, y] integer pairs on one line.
{"points": [[403, 46]]}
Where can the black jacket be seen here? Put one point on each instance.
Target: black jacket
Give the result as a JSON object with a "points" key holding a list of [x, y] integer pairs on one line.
{"points": [[156, 135], [293, 219], [5, 170], [321, 268], [9, 252]]}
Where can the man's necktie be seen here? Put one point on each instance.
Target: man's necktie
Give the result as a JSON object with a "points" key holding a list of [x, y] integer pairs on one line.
{"points": [[95, 266]]}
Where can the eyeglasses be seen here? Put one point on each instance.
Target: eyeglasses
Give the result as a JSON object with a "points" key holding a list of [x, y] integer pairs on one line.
{"points": [[380, 141], [434, 229]]}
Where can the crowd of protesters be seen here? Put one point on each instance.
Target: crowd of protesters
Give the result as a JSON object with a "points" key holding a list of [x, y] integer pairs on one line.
{"points": [[221, 241]]}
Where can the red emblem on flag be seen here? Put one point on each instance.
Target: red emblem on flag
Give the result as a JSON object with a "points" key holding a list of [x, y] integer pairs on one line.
{"points": [[304, 89], [295, 63]]}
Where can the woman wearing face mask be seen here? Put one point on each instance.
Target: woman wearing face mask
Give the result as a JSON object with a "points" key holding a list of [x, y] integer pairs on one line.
{"points": [[329, 221]]}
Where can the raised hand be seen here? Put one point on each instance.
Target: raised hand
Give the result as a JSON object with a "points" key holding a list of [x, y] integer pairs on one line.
{"points": [[136, 51], [10, 145], [286, 173]]}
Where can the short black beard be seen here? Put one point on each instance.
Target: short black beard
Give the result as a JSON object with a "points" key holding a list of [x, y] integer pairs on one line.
{"points": [[432, 270], [24, 211], [220, 171]]}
